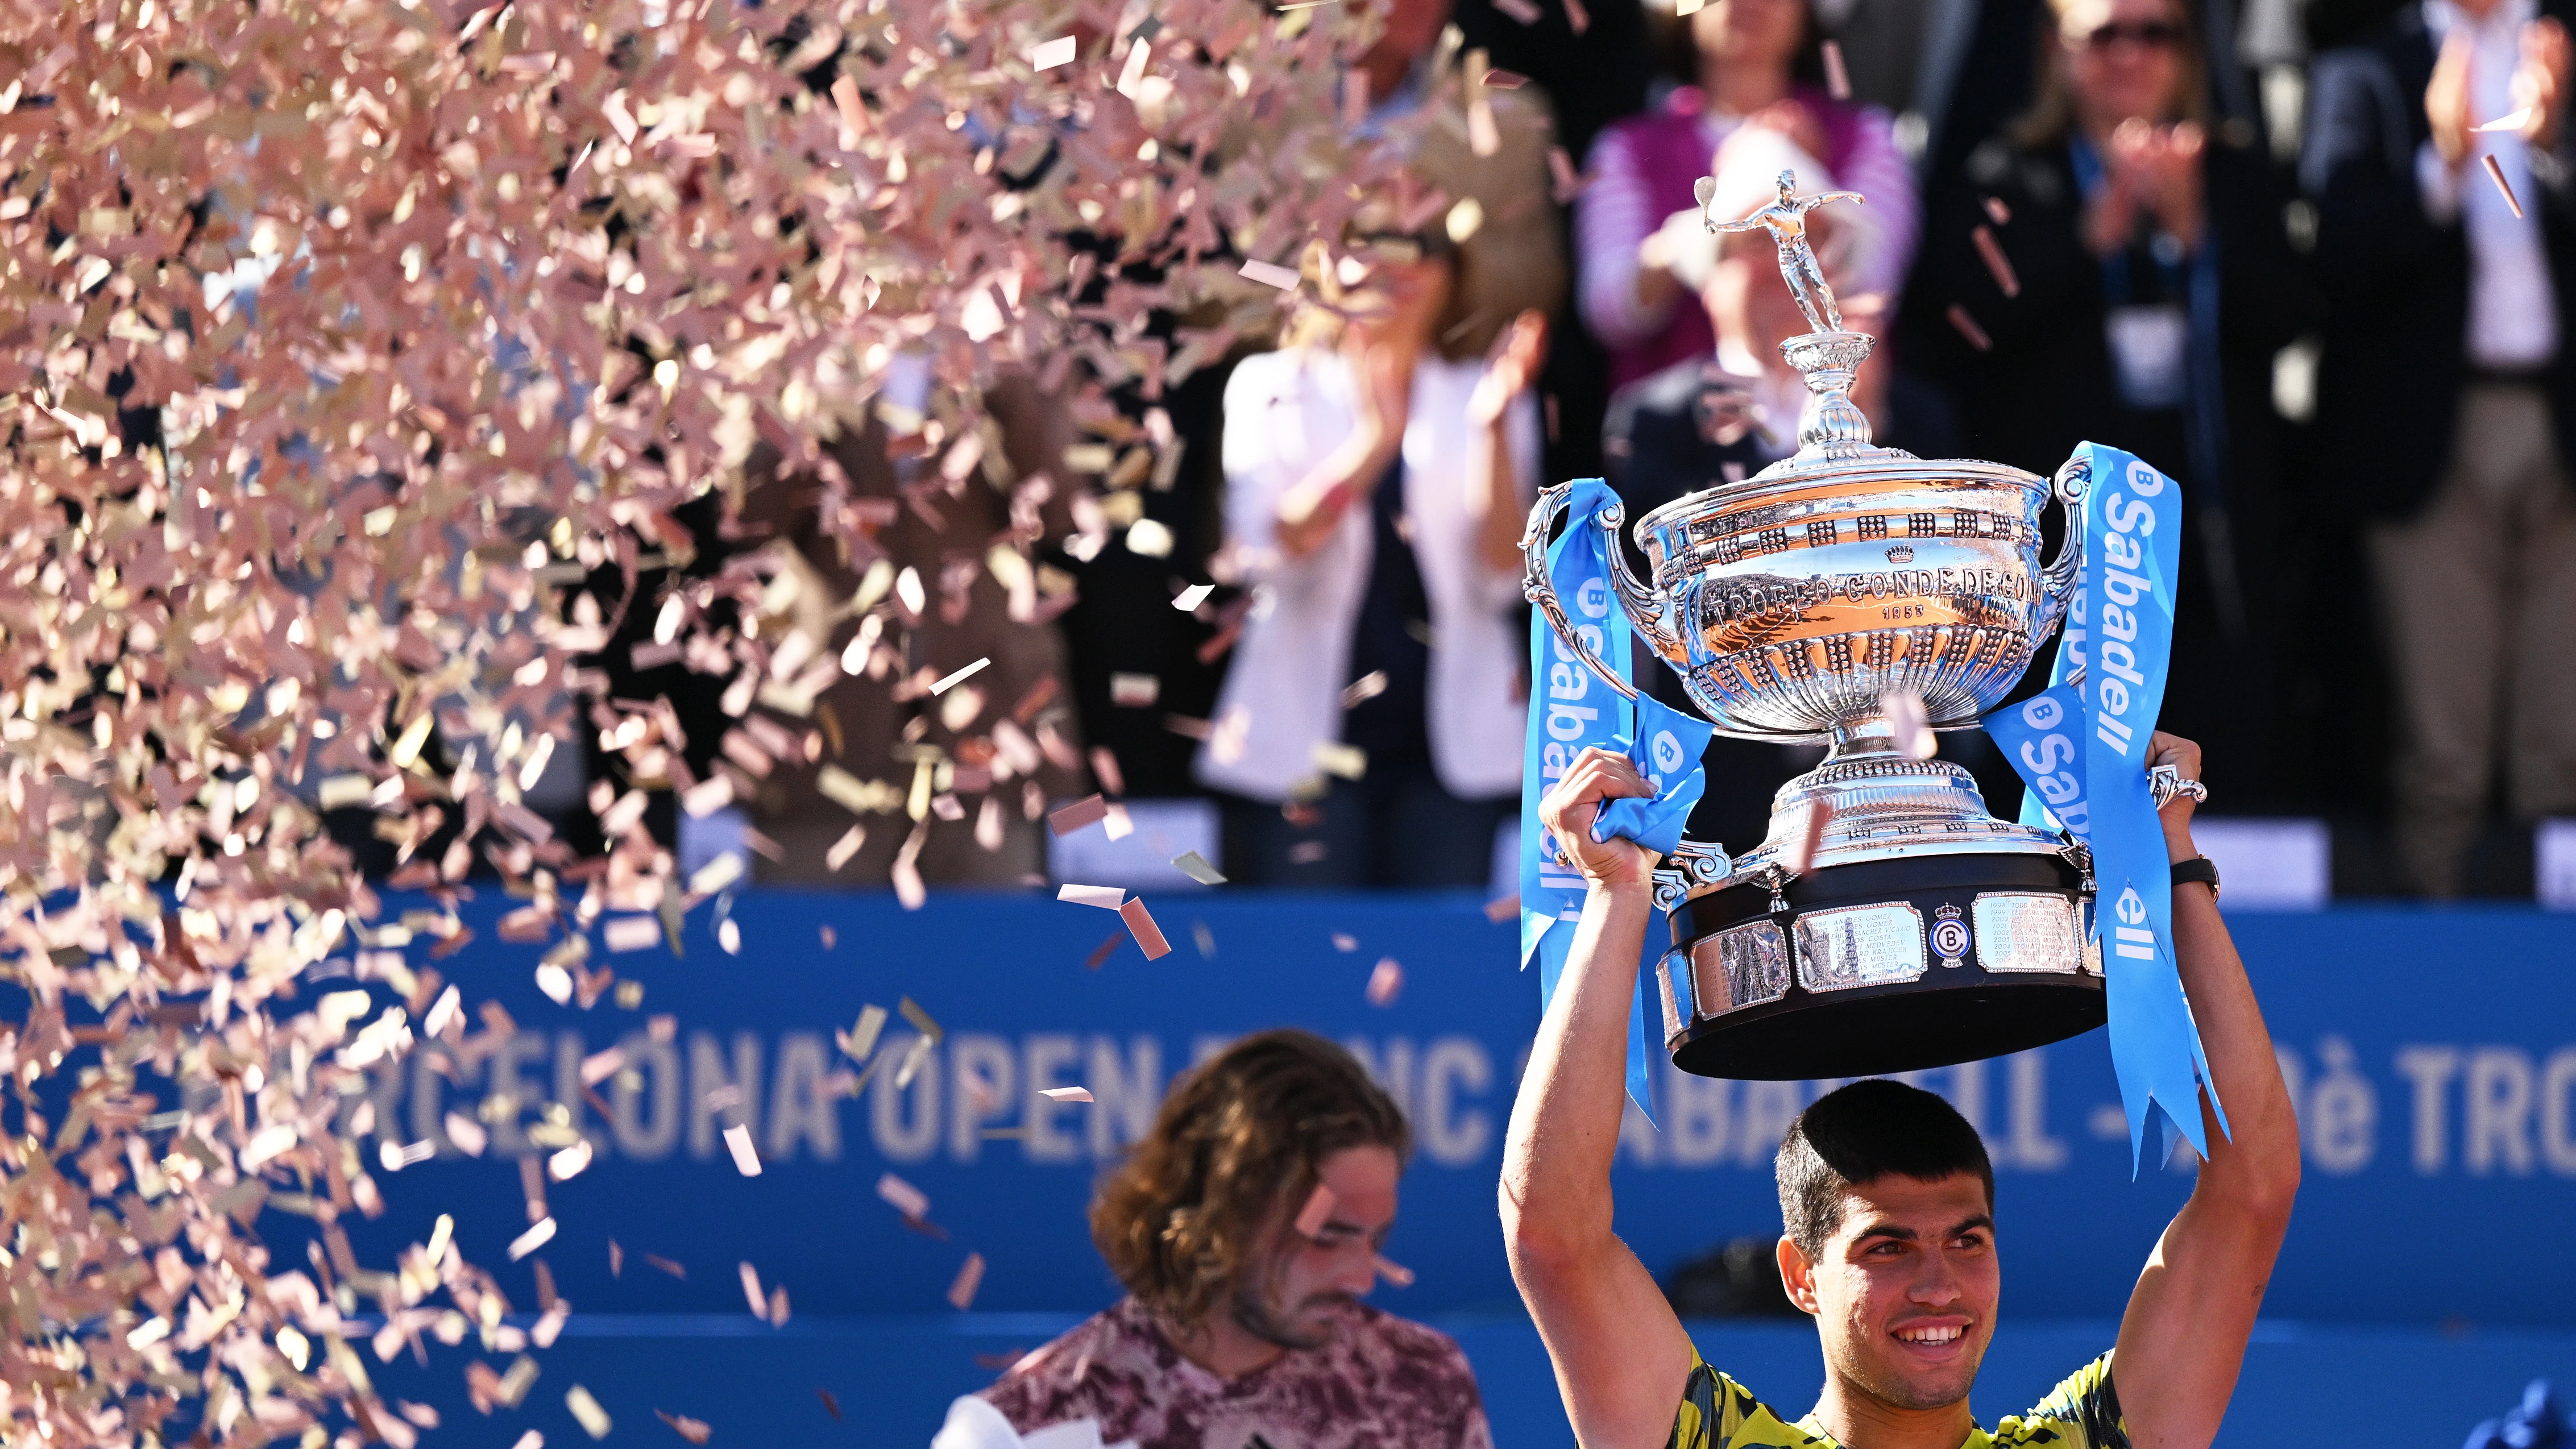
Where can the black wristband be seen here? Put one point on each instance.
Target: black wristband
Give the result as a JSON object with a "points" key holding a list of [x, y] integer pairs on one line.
{"points": [[2199, 868]]}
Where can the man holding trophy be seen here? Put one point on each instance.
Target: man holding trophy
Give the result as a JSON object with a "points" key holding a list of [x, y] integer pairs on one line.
{"points": [[1857, 596]]}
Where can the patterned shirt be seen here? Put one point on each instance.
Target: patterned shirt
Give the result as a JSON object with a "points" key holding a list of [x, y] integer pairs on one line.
{"points": [[1718, 1413], [1378, 1382]]}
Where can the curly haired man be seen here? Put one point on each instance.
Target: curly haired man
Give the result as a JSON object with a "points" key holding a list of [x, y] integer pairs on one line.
{"points": [[1246, 1228]]}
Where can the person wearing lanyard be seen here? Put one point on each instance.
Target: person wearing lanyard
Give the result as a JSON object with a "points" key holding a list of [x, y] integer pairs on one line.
{"points": [[2446, 399], [2117, 271]]}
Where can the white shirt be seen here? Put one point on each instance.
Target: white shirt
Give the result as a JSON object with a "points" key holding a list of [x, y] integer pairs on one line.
{"points": [[2513, 313], [1284, 411]]}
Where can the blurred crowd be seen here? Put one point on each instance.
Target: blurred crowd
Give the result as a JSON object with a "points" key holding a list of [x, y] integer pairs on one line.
{"points": [[2314, 260]]}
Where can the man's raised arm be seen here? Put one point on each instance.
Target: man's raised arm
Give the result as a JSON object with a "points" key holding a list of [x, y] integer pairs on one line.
{"points": [[1621, 1356], [2183, 1338]]}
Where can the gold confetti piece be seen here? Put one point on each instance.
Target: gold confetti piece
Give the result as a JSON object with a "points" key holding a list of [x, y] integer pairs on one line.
{"points": [[1969, 329], [861, 1039], [746, 1159], [1108, 898], [1997, 265], [2514, 121], [2495, 173], [1837, 79], [1134, 691], [1271, 274], [930, 1030], [1393, 1271], [906, 1199], [1348, 761], [533, 1239], [1196, 867], [1317, 1212], [1066, 819], [1065, 1094], [1047, 55], [1140, 924], [594, 1419], [751, 1291], [1384, 982], [695, 1431], [1190, 598], [951, 681], [970, 1276]]}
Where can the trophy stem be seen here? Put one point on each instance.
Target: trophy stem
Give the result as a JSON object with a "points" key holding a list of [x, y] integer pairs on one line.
{"points": [[1869, 736]]}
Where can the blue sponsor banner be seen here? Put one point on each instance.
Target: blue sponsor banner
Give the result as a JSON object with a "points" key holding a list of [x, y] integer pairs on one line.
{"points": [[2438, 1106]]}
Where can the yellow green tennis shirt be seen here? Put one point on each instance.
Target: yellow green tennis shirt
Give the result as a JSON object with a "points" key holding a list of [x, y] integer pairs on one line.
{"points": [[1718, 1413]]}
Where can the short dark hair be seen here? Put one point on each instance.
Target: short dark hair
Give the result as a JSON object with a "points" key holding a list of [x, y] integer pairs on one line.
{"points": [[1180, 1219], [1858, 1134]]}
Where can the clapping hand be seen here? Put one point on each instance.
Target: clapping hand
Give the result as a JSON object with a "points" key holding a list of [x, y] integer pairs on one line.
{"points": [[1510, 368], [2156, 168]]}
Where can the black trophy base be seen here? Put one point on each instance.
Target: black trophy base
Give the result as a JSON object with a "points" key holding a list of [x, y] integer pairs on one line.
{"points": [[1956, 1010]]}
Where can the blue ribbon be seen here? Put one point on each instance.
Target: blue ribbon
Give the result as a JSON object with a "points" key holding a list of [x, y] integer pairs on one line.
{"points": [[2082, 751], [1571, 710], [1666, 751]]}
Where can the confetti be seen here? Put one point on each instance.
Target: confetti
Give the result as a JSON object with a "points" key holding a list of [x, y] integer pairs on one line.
{"points": [[467, 1134], [1134, 691], [1196, 867], [746, 1159], [1385, 981], [1066, 819], [861, 1039], [1048, 54], [904, 1197], [1190, 598], [533, 1239], [616, 1260], [1503, 908], [1997, 265], [1317, 1211], [1393, 1271], [1522, 11], [1140, 924], [1802, 852], [970, 1276], [1837, 79], [695, 1431], [951, 681], [729, 936], [594, 1419], [1368, 686], [1108, 898], [631, 933], [667, 1266], [1065, 1094], [1577, 19], [831, 1406], [1116, 823], [1969, 329], [1343, 941], [567, 1164], [1997, 211], [2495, 173], [2513, 121], [1271, 274], [751, 1292], [1101, 953], [1909, 725]]}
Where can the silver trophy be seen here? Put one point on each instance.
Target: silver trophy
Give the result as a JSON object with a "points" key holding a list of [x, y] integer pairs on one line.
{"points": [[1887, 922]]}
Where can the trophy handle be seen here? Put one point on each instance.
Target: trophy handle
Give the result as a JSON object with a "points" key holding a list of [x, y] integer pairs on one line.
{"points": [[2057, 580], [1649, 609], [1536, 587]]}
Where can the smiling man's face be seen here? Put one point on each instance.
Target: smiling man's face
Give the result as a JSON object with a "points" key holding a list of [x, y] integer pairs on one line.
{"points": [[1904, 1292]]}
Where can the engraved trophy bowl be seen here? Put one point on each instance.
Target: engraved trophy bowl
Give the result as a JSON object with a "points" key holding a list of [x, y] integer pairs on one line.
{"points": [[1909, 928]]}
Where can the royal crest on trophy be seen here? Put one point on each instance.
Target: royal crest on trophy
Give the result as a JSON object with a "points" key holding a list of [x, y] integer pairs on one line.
{"points": [[1887, 922]]}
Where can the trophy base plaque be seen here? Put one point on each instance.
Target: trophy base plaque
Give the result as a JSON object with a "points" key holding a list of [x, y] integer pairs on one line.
{"points": [[1880, 966]]}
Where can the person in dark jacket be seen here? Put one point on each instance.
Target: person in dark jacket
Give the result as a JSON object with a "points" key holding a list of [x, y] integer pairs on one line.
{"points": [[2447, 394], [2132, 286]]}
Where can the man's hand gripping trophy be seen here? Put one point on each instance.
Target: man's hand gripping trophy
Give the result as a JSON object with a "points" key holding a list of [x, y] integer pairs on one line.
{"points": [[1786, 220]]}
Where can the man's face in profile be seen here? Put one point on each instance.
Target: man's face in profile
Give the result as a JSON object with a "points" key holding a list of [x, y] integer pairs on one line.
{"points": [[1299, 1285], [1904, 1292]]}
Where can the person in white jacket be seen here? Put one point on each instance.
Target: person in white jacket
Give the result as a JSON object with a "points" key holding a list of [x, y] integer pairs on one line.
{"points": [[1369, 729]]}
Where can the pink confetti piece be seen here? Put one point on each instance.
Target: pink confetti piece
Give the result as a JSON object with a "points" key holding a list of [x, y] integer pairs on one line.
{"points": [[751, 1292], [1577, 19], [2495, 173], [1503, 908], [1968, 328], [466, 1133], [1385, 981], [1997, 265], [1066, 819], [746, 1158], [1317, 1212], [1107, 898], [1505, 80], [1802, 851], [1344, 941], [1271, 274], [696, 1431], [1140, 924], [1048, 54], [970, 1276], [906, 1199], [1104, 765], [1995, 209], [1394, 1272], [1837, 79], [1065, 1094], [1521, 11], [1909, 724]]}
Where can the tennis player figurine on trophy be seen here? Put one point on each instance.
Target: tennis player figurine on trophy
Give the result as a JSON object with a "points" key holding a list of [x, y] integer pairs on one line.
{"points": [[1887, 922]]}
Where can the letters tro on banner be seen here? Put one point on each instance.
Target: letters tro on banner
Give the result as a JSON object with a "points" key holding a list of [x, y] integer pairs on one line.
{"points": [[1570, 710], [2080, 747]]}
